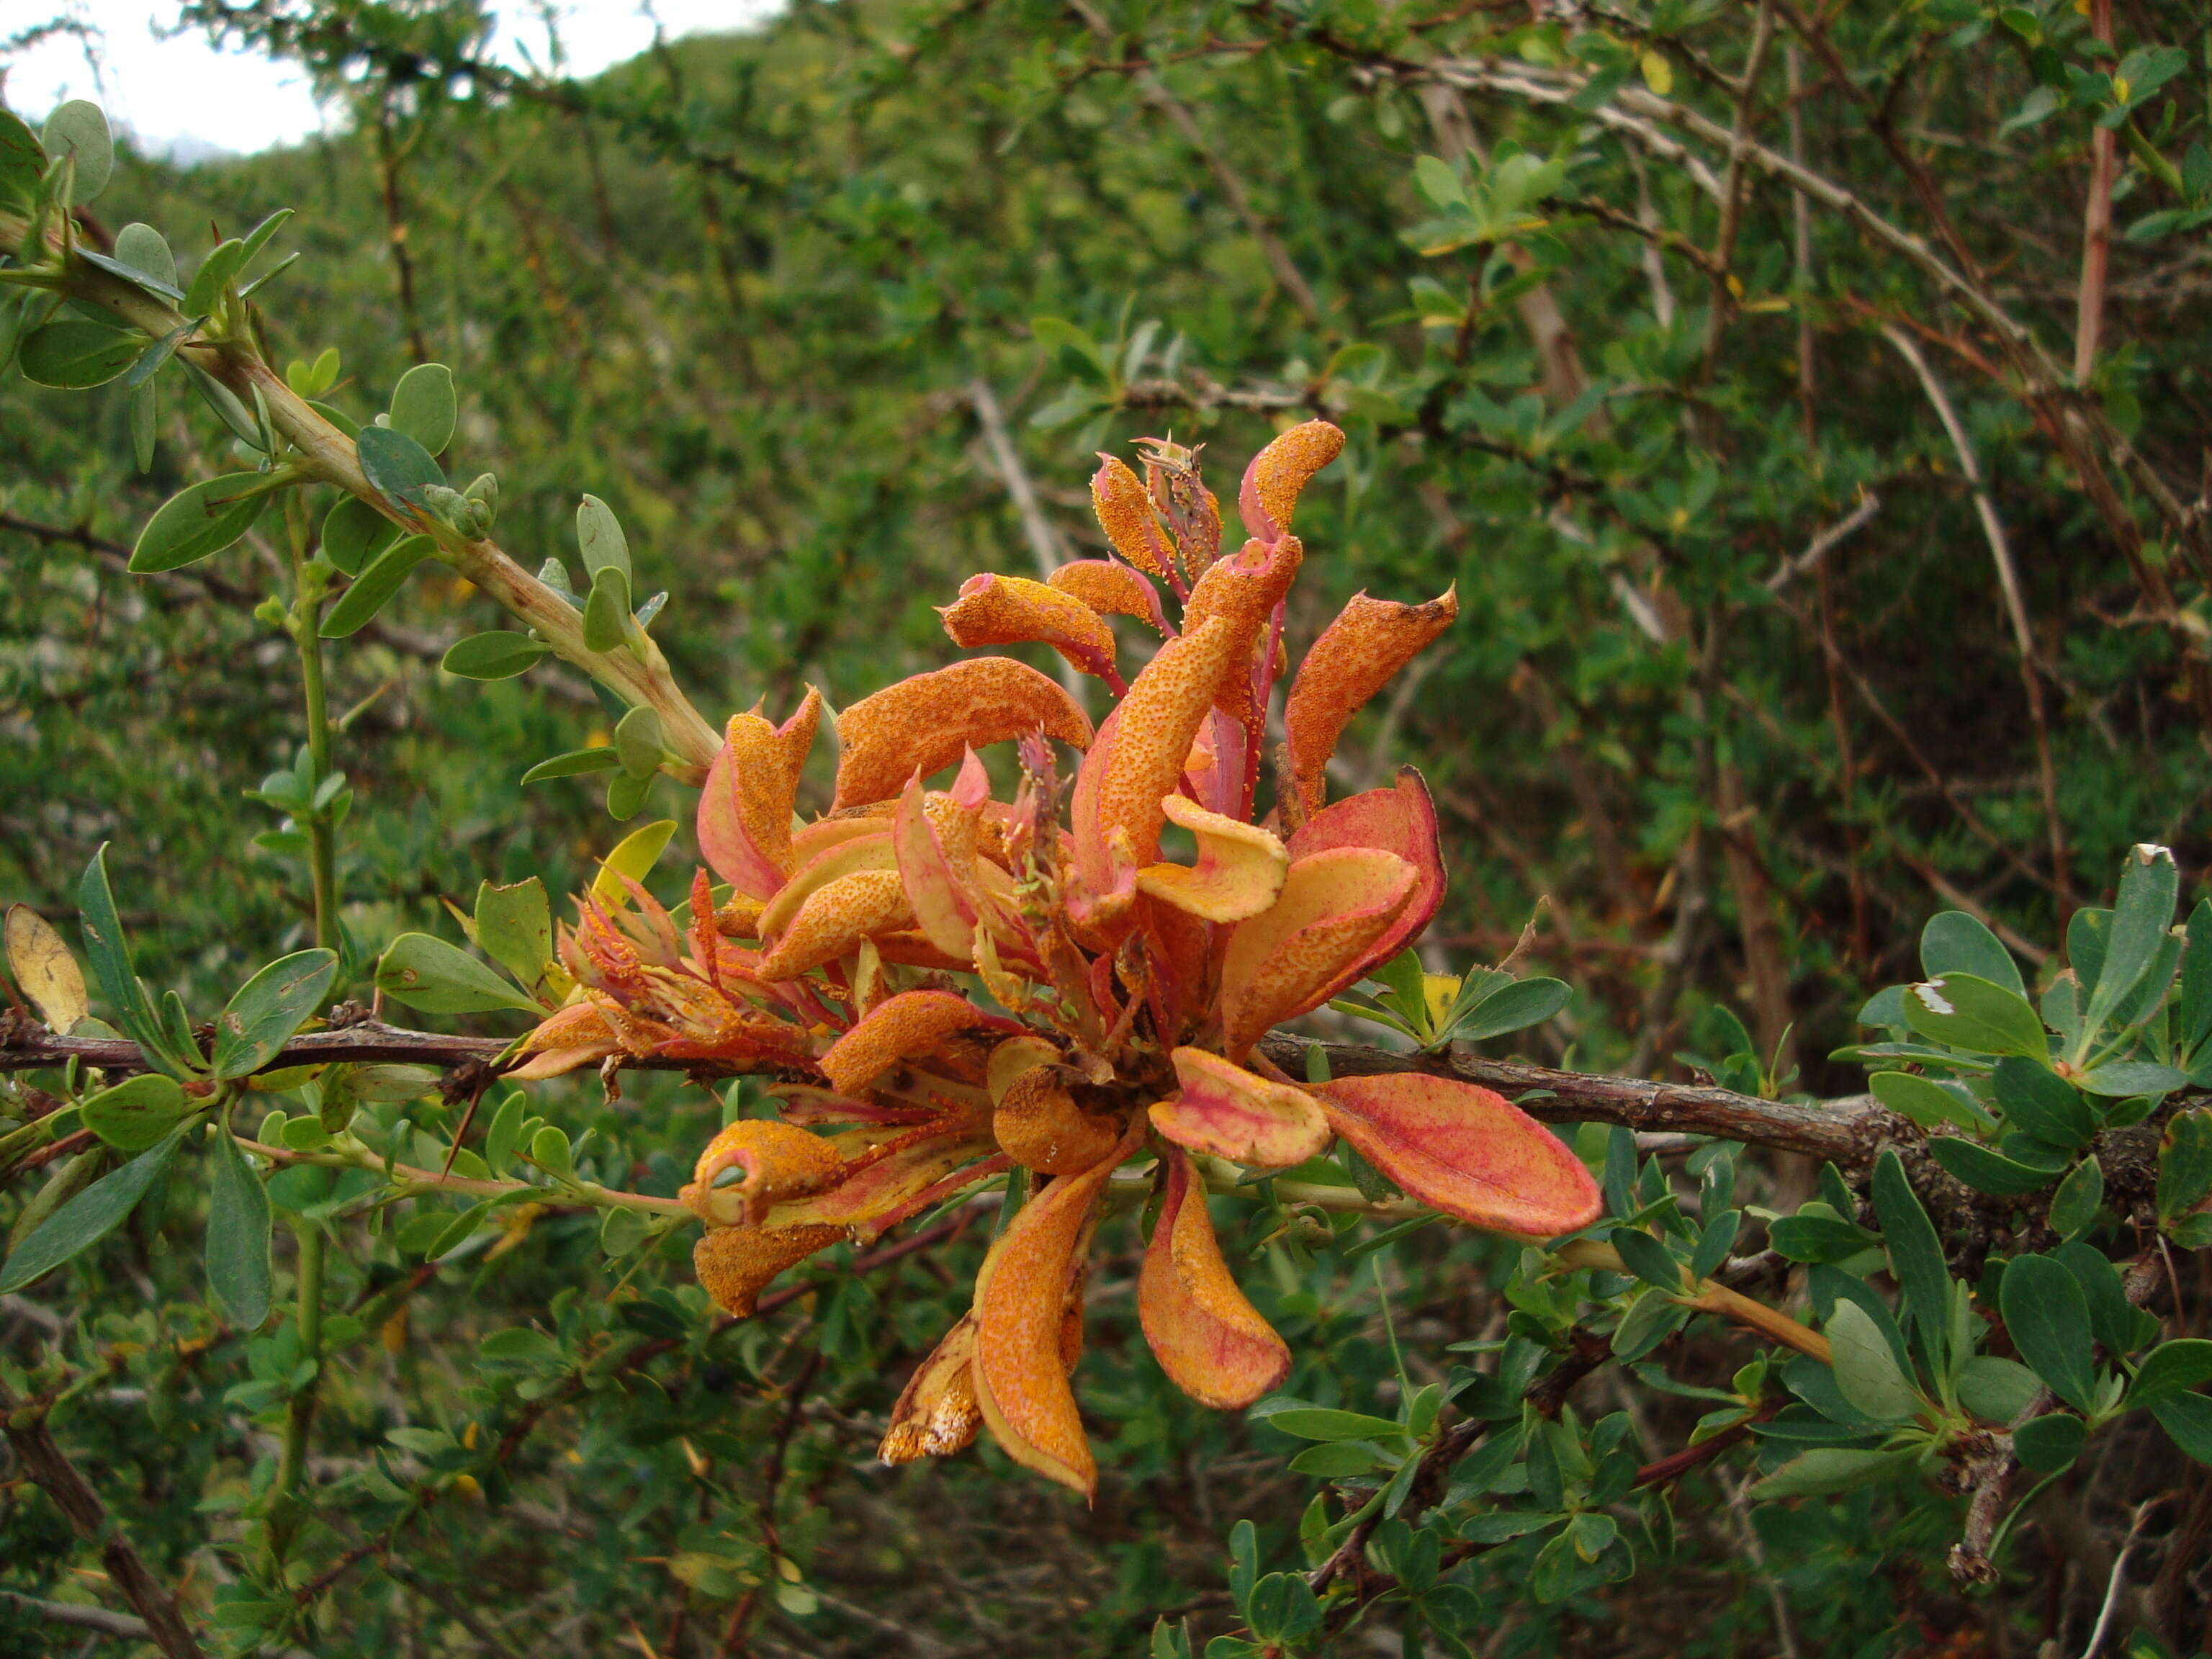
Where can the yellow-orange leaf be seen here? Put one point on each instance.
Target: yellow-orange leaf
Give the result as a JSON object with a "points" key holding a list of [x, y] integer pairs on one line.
{"points": [[744, 808], [1013, 610], [773, 1161], [1125, 514], [1334, 906], [1239, 871], [1465, 1151], [734, 1263], [834, 920], [1041, 1127], [936, 1414], [869, 851], [925, 723], [1227, 1111], [45, 969], [1401, 819], [1354, 658], [904, 1027], [1153, 734], [1279, 472], [1111, 589], [1209, 1339]]}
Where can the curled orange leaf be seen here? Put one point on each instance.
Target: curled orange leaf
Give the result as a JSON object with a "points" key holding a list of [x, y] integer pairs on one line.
{"points": [[1239, 871], [1288, 959], [1209, 1339], [904, 1027], [1041, 1127], [1111, 589], [1125, 514], [1227, 1111], [936, 1414], [834, 919], [1013, 610], [1355, 656], [576, 1036], [925, 723], [935, 837], [1279, 472], [1121, 788], [772, 1160], [744, 808], [871, 851], [734, 1263], [1465, 1151]]}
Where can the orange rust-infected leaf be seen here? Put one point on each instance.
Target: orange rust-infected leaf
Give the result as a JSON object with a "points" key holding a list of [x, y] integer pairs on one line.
{"points": [[1244, 592], [1227, 1111], [936, 1414], [574, 1037], [1154, 730], [774, 1161], [1015, 1056], [1279, 472], [1334, 906], [1209, 1339], [1125, 514], [883, 1187], [1013, 610], [834, 920], [872, 851], [905, 1027], [744, 808], [936, 838], [1021, 1306], [925, 723], [1041, 1126], [1239, 872], [1354, 658], [1111, 589], [735, 1263], [1465, 1151], [1401, 819]]}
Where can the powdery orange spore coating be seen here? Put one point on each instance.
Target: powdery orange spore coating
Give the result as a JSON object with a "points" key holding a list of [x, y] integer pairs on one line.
{"points": [[1466, 1151], [1111, 589], [1356, 656], [1125, 514], [834, 920], [744, 808], [1227, 1111], [1281, 963], [855, 853], [735, 1263], [925, 723], [904, 1027], [1040, 1126], [777, 1161], [1014, 611], [1279, 472], [1244, 591], [1154, 727], [1209, 1339], [936, 1414]]}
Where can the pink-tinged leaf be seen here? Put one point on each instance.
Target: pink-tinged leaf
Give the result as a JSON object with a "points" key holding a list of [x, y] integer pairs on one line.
{"points": [[884, 1185], [936, 840], [574, 1037], [1239, 871], [811, 841], [1279, 472], [1015, 610], [936, 1414], [1154, 727], [1112, 590], [1356, 656], [1243, 591], [925, 723], [735, 1263], [774, 1161], [1209, 1339], [744, 808], [1125, 514], [1288, 959], [834, 920], [907, 1026], [854, 854], [1227, 1111], [1401, 819], [1022, 1301], [1464, 1150]]}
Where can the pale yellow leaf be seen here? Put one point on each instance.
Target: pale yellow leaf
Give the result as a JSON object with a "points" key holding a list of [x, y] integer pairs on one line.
{"points": [[43, 967]]}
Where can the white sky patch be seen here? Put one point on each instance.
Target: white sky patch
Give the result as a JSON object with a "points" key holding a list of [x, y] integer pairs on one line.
{"points": [[182, 95]]}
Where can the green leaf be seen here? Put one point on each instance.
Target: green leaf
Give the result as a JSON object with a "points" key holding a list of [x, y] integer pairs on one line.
{"points": [[2050, 1442], [238, 1229], [375, 585], [268, 1009], [2187, 1419], [638, 742], [2038, 1100], [2172, 1368], [550, 1151], [79, 128], [76, 352], [425, 972], [1512, 1008], [1827, 1470], [143, 415], [498, 655], [1928, 1103], [422, 406], [1994, 1389], [1647, 1258], [2119, 1079], [398, 467], [86, 1219], [2049, 1318], [1651, 1321], [2150, 883], [22, 163], [1867, 1372], [1986, 1171], [2115, 1322], [2184, 1163], [213, 276], [1318, 1423], [505, 1133], [574, 763], [1336, 1459], [354, 534], [138, 1112], [633, 856], [1970, 1012], [606, 610], [1915, 1252], [600, 539], [1436, 180], [110, 954], [2193, 1009], [514, 928], [199, 521], [2074, 1205], [1954, 942]]}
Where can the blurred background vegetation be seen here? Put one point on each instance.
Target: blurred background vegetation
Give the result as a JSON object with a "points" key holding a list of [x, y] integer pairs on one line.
{"points": [[1794, 608]]}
